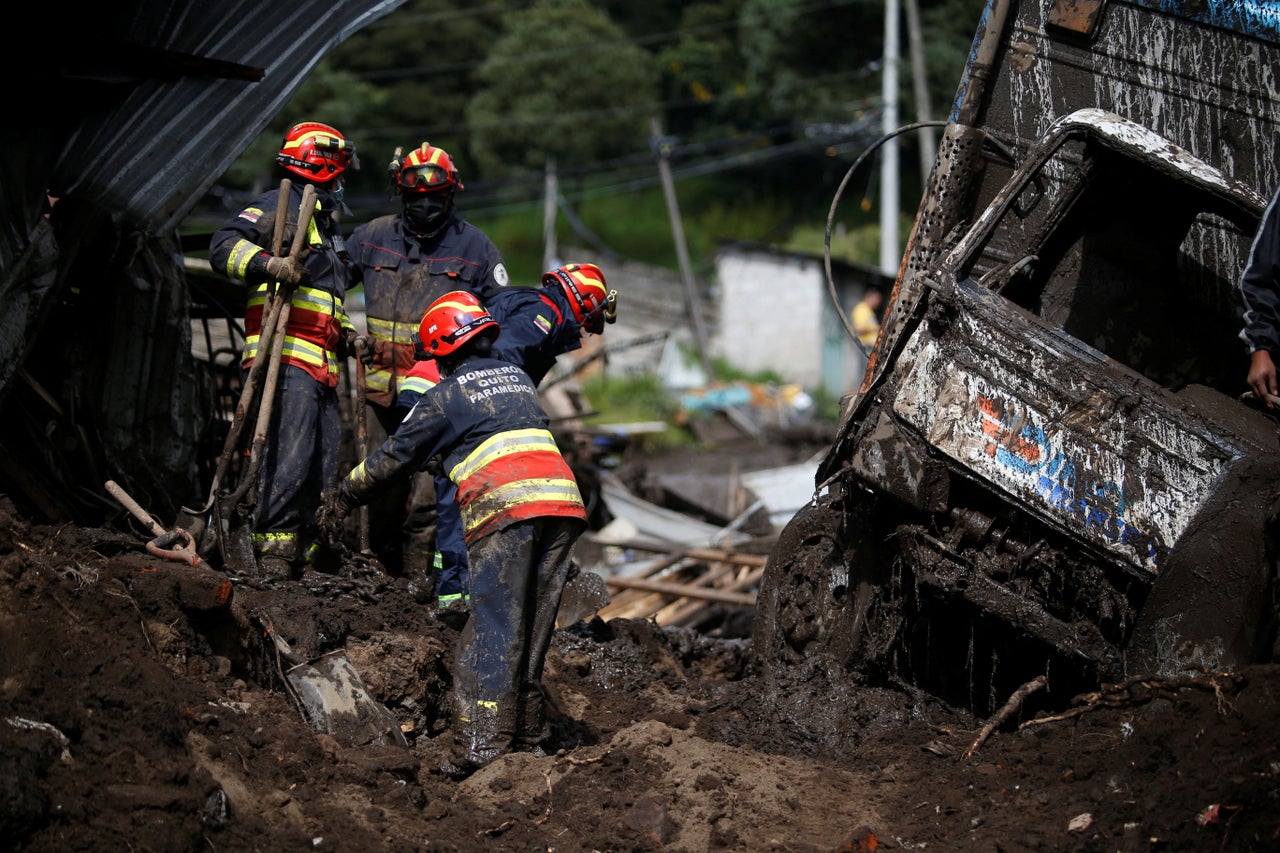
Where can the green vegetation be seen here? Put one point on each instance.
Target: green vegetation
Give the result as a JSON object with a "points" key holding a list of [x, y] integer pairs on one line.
{"points": [[636, 400], [760, 108]]}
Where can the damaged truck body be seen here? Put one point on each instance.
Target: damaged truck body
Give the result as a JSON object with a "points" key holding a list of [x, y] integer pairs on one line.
{"points": [[1051, 468]]}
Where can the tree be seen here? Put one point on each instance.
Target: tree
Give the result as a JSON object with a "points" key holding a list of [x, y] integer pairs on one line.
{"points": [[564, 82], [423, 58]]}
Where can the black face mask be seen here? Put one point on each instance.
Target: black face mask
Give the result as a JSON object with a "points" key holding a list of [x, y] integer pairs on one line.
{"points": [[426, 212]]}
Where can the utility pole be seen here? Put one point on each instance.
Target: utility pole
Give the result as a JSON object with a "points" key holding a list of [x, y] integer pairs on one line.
{"points": [[920, 83], [889, 255], [662, 147], [550, 251]]}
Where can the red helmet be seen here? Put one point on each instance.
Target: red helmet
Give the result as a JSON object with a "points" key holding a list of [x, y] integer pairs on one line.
{"points": [[425, 169], [451, 321], [584, 287], [316, 152]]}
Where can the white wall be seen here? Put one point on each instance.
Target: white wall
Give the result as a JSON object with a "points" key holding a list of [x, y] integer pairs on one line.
{"points": [[770, 314]]}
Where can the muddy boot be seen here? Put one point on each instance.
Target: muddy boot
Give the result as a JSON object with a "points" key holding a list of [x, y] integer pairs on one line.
{"points": [[532, 730], [454, 610], [277, 555], [476, 741], [274, 568], [422, 573]]}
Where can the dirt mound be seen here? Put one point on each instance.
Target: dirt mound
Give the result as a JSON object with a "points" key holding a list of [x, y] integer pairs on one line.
{"points": [[144, 709]]}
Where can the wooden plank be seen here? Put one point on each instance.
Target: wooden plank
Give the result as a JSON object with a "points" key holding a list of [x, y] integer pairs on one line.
{"points": [[684, 590]]}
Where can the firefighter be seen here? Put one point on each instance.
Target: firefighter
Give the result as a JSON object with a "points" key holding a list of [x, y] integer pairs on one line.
{"points": [[521, 513], [300, 461], [1260, 285], [406, 261], [538, 324]]}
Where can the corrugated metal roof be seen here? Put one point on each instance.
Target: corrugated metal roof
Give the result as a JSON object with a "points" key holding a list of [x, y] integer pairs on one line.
{"points": [[199, 82]]}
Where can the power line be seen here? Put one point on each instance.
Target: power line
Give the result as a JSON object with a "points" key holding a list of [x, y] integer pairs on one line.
{"points": [[646, 108]]}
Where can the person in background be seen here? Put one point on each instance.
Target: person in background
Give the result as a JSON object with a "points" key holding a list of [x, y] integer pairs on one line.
{"points": [[865, 317], [405, 261], [538, 325], [301, 455], [521, 513], [865, 320], [1260, 287]]}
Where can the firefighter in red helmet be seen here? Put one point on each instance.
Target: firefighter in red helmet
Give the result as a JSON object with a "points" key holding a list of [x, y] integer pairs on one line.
{"points": [[521, 515], [407, 260], [300, 460], [538, 325]]}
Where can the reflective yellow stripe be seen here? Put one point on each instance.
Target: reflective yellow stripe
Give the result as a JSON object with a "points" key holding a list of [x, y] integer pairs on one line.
{"points": [[497, 501], [358, 477], [320, 301], [503, 444], [389, 330], [242, 253], [377, 380], [416, 384], [272, 537], [304, 351]]}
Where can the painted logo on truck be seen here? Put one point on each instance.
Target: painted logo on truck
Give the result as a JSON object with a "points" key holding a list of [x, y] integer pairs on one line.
{"points": [[1063, 482]]}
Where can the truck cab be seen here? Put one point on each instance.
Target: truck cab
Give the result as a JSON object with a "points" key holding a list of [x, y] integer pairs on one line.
{"points": [[1052, 468]]}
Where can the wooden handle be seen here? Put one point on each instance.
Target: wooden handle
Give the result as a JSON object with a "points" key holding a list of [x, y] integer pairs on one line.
{"points": [[133, 507], [282, 217], [305, 211]]}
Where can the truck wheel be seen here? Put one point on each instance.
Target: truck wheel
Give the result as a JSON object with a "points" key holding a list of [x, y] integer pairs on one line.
{"points": [[823, 591]]}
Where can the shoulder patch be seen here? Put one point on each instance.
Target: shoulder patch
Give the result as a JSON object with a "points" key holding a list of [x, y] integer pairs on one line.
{"points": [[251, 214], [500, 275]]}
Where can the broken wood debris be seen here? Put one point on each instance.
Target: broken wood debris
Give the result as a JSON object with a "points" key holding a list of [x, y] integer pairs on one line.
{"points": [[676, 588]]}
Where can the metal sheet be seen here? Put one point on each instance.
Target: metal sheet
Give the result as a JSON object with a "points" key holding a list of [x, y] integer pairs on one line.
{"points": [[1078, 447]]}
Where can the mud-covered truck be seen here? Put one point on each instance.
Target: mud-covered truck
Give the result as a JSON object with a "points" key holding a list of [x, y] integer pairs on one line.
{"points": [[1052, 467]]}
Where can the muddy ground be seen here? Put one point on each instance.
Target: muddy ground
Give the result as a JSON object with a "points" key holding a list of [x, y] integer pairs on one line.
{"points": [[144, 710]]}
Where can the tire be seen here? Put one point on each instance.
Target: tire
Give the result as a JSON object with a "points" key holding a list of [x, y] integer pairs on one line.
{"points": [[825, 590]]}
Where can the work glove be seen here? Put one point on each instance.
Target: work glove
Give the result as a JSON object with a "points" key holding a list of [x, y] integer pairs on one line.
{"points": [[335, 506], [365, 351], [288, 271], [352, 345]]}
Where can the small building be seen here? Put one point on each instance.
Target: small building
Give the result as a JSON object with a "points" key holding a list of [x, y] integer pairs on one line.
{"points": [[775, 311]]}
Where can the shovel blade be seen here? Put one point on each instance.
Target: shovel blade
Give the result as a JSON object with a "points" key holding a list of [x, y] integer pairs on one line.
{"points": [[234, 542], [335, 700]]}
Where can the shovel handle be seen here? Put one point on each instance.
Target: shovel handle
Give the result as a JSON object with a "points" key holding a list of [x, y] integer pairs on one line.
{"points": [[282, 217], [283, 304], [134, 507], [165, 543]]}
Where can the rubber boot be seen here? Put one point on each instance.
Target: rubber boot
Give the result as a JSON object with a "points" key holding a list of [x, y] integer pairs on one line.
{"points": [[422, 576], [476, 740], [531, 727], [277, 555]]}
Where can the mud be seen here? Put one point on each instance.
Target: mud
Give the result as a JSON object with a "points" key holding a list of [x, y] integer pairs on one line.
{"points": [[143, 710]]}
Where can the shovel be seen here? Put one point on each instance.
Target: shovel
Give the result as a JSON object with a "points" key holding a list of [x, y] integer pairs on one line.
{"points": [[362, 441], [165, 545], [282, 305], [231, 521], [233, 512], [331, 696]]}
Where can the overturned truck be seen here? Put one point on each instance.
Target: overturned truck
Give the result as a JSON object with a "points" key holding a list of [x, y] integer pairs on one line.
{"points": [[1052, 468]]}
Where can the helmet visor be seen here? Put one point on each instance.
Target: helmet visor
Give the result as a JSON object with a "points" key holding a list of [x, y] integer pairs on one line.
{"points": [[424, 178]]}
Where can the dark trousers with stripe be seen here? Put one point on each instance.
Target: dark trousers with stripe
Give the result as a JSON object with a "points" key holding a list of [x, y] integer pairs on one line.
{"points": [[299, 460], [517, 577]]}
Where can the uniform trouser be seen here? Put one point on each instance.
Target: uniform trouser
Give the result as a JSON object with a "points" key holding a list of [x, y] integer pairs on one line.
{"points": [[517, 578], [401, 515], [298, 462], [449, 539]]}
